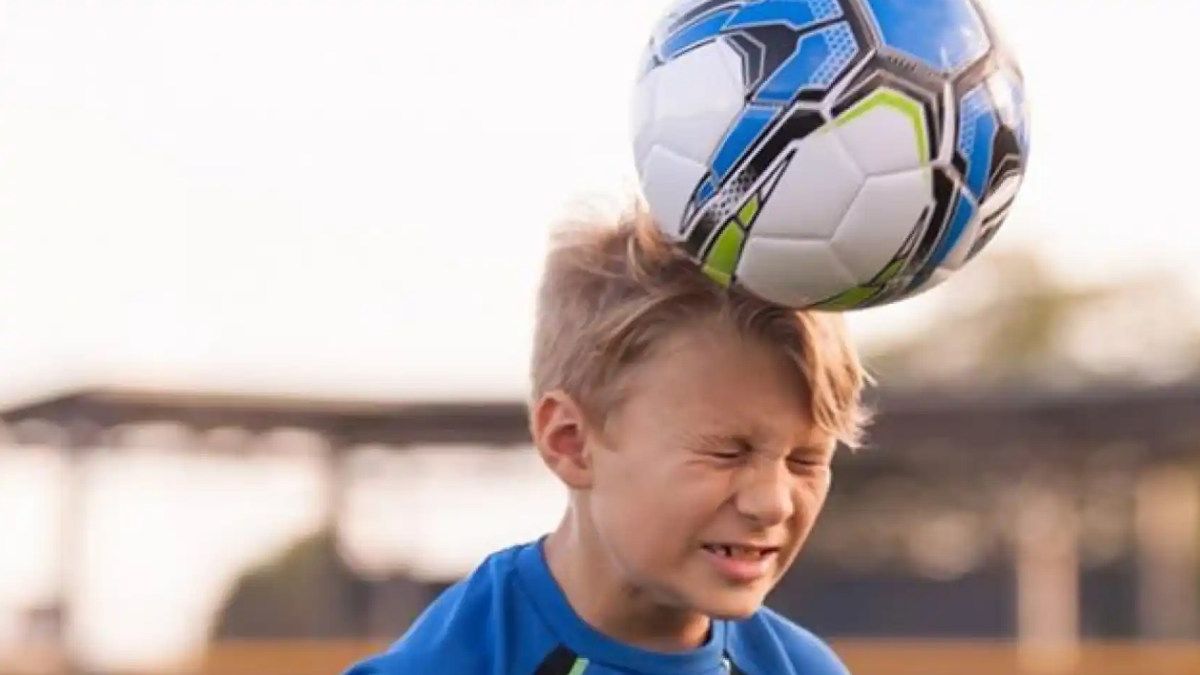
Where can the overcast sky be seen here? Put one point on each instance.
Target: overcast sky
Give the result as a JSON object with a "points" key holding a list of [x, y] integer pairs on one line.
{"points": [[351, 198]]}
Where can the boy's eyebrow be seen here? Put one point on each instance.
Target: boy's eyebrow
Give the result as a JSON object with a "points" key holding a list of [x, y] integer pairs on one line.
{"points": [[814, 449], [717, 437], [720, 438], [748, 440]]}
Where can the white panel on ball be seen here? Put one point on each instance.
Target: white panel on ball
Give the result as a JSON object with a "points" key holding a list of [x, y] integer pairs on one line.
{"points": [[884, 138], [670, 180], [879, 221], [697, 97], [813, 193], [792, 272], [643, 116]]}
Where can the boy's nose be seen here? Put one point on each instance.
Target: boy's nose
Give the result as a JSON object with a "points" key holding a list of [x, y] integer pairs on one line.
{"points": [[766, 494]]}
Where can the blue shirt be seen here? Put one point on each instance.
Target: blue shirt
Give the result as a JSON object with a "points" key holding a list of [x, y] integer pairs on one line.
{"points": [[511, 618]]}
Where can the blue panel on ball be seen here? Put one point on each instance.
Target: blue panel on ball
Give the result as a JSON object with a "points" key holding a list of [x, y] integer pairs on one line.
{"points": [[842, 50], [696, 34], [977, 126], [741, 136], [796, 14], [963, 212], [946, 35], [820, 57], [707, 189]]}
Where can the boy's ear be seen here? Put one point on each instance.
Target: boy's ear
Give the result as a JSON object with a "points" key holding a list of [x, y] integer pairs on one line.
{"points": [[559, 429]]}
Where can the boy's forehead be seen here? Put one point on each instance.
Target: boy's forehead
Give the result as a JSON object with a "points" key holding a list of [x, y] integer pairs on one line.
{"points": [[714, 361], [722, 383]]}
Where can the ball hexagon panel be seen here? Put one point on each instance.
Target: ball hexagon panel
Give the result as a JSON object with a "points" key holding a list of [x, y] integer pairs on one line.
{"points": [[944, 35], [814, 192], [886, 132], [881, 219], [696, 96], [792, 272]]}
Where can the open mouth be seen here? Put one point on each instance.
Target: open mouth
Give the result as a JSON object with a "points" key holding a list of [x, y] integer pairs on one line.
{"points": [[739, 552]]}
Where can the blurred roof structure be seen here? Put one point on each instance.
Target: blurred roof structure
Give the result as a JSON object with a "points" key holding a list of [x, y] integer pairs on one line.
{"points": [[1163, 422]]}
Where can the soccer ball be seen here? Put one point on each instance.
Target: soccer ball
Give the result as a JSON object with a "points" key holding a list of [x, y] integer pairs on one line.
{"points": [[830, 154]]}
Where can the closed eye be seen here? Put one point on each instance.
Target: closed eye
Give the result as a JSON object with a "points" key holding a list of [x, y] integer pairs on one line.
{"points": [[733, 448], [806, 461]]}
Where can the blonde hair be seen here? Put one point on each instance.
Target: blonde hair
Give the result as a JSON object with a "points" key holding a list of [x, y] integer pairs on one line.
{"points": [[609, 294]]}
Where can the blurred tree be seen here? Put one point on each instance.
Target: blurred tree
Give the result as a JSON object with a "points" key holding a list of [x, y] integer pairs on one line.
{"points": [[1008, 320], [310, 591]]}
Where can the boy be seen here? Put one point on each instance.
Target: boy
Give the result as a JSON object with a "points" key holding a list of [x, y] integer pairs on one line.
{"points": [[694, 429]]}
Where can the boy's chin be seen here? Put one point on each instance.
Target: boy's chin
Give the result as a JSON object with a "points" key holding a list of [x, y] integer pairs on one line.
{"points": [[729, 605]]}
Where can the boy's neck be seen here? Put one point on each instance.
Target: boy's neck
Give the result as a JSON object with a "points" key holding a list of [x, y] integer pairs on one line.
{"points": [[609, 604]]}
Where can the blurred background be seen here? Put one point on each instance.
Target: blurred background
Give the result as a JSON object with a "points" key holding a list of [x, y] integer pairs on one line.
{"points": [[266, 284]]}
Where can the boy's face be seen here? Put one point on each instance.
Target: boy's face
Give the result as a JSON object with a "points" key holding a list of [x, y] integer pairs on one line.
{"points": [[710, 450]]}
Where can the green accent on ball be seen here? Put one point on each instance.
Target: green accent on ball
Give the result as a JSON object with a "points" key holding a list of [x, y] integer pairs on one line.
{"points": [[581, 665], [886, 96], [723, 257], [722, 279], [860, 294], [890, 272], [750, 211], [850, 299]]}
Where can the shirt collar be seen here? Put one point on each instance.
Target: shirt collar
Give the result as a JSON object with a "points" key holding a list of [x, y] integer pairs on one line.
{"points": [[578, 636]]}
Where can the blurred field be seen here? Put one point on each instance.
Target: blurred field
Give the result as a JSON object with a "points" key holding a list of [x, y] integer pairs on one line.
{"points": [[870, 657], [987, 658]]}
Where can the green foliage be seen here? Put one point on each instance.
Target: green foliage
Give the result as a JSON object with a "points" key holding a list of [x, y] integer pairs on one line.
{"points": [[307, 592], [1007, 320]]}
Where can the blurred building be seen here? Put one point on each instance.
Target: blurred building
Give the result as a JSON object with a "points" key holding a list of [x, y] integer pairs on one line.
{"points": [[1045, 518]]}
